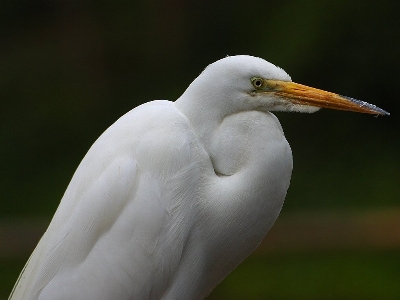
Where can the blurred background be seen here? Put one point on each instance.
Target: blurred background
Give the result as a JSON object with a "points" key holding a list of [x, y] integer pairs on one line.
{"points": [[69, 69]]}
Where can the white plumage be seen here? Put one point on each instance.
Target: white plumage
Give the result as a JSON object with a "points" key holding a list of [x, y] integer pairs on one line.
{"points": [[174, 195]]}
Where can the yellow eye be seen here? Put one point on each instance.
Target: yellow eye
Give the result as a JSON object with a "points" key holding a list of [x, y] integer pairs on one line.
{"points": [[257, 82]]}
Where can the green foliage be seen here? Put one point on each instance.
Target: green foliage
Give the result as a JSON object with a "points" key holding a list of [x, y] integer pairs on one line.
{"points": [[338, 275], [69, 69]]}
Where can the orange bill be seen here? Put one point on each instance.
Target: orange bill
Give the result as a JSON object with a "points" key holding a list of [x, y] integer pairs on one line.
{"points": [[304, 95]]}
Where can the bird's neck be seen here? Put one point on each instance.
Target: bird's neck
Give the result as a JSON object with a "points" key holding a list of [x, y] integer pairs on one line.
{"points": [[201, 114]]}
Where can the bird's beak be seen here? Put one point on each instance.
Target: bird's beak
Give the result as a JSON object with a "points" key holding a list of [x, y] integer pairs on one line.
{"points": [[304, 95]]}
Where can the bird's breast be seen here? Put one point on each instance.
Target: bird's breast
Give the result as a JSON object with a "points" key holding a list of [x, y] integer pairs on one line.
{"points": [[252, 162]]}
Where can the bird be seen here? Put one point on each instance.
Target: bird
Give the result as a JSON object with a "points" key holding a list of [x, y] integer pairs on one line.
{"points": [[175, 194]]}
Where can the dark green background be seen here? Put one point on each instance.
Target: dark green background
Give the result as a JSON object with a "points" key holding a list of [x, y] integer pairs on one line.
{"points": [[69, 69]]}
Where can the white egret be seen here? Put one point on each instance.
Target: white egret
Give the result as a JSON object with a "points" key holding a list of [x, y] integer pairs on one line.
{"points": [[174, 195]]}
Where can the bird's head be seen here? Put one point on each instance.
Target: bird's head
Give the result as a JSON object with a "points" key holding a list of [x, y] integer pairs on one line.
{"points": [[242, 82]]}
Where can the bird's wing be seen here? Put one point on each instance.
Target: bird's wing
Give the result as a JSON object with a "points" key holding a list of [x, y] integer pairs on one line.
{"points": [[123, 221]]}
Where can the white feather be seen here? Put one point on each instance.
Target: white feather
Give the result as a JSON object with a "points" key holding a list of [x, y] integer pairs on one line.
{"points": [[170, 199]]}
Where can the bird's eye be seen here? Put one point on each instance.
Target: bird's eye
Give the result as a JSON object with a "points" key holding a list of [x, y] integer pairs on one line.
{"points": [[257, 82]]}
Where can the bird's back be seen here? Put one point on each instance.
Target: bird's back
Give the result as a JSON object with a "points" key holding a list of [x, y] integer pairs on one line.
{"points": [[123, 222]]}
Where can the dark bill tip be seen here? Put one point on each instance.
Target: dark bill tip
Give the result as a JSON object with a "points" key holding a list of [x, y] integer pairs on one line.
{"points": [[367, 105]]}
